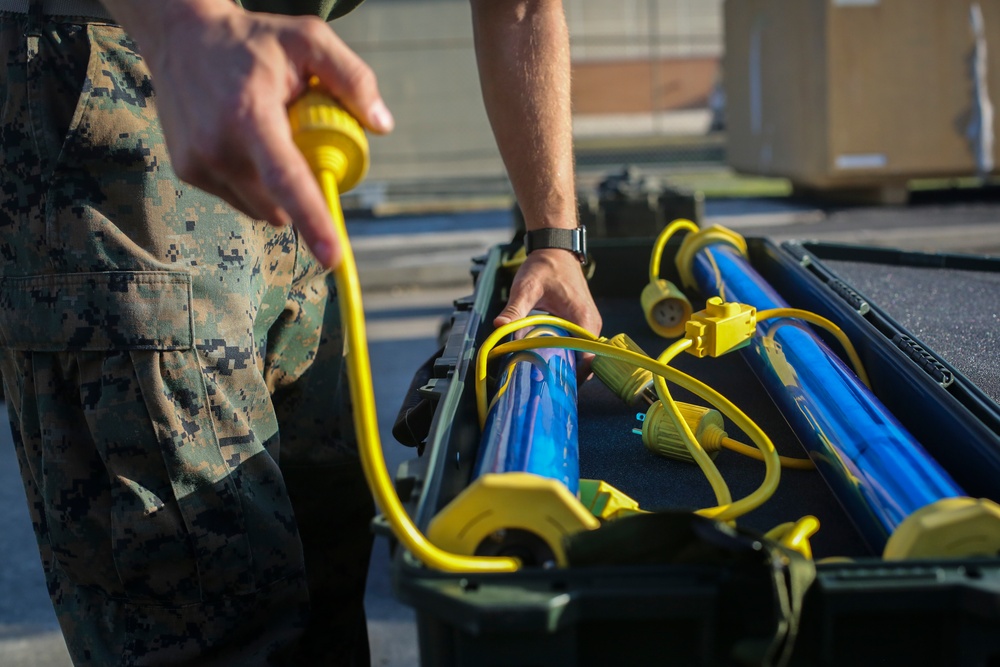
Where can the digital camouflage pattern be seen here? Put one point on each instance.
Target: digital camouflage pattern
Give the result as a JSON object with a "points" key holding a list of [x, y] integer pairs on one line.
{"points": [[175, 384]]}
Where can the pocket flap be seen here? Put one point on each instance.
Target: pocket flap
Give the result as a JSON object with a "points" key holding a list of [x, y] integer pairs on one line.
{"points": [[94, 312]]}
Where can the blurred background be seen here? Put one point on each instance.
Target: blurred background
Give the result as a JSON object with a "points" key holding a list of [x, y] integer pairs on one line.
{"points": [[646, 77], [834, 101], [866, 121]]}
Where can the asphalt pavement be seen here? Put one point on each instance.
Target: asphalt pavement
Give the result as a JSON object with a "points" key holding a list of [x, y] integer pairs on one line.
{"points": [[412, 268]]}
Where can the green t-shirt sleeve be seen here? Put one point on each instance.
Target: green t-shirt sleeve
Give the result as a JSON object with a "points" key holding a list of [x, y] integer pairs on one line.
{"points": [[327, 9]]}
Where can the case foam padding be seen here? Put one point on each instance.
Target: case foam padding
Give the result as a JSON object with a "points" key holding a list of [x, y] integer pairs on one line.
{"points": [[955, 313], [611, 452]]}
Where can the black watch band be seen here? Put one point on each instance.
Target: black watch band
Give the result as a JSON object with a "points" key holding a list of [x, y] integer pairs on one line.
{"points": [[574, 240]]}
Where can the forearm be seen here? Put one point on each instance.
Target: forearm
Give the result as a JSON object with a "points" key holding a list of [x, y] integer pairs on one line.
{"points": [[522, 47], [522, 50]]}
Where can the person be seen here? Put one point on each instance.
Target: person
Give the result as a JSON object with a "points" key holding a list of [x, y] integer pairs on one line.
{"points": [[171, 350]]}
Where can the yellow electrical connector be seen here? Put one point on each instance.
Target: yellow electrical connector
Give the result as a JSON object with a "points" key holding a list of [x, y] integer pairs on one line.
{"points": [[664, 437], [947, 528], [625, 379], [337, 151], [605, 501], [665, 307], [720, 328]]}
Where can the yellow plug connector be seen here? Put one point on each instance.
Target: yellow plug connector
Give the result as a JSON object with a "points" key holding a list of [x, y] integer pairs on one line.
{"points": [[666, 308], [720, 328], [330, 138], [629, 382], [662, 435], [337, 151]]}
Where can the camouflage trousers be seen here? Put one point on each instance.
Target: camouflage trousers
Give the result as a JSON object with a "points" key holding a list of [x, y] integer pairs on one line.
{"points": [[174, 380]]}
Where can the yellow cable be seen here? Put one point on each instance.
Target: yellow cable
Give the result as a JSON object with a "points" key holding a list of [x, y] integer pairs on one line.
{"points": [[795, 535], [502, 331], [532, 359], [366, 421], [694, 243], [786, 461], [772, 465], [661, 243], [722, 494], [820, 321]]}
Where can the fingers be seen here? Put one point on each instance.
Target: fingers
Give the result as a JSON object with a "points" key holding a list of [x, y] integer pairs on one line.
{"points": [[347, 77], [230, 135], [551, 280], [283, 171], [526, 291], [292, 189]]}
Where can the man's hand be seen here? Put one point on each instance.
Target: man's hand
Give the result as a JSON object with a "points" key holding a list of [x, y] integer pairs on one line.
{"points": [[551, 280], [224, 79]]}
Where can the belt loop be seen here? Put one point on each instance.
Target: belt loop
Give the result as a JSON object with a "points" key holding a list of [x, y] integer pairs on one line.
{"points": [[35, 12]]}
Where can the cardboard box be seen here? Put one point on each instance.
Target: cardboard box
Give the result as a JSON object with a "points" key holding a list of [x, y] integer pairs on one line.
{"points": [[861, 93]]}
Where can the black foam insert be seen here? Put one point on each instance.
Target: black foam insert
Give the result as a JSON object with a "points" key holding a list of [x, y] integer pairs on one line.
{"points": [[611, 452], [955, 313]]}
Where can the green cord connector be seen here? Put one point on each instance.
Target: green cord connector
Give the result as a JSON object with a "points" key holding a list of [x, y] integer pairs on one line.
{"points": [[628, 381], [663, 436]]}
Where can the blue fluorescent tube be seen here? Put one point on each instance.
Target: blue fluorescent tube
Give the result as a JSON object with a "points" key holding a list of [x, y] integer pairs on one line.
{"points": [[531, 425], [877, 470]]}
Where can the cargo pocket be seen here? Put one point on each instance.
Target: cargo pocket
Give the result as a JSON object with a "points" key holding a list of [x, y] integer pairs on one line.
{"points": [[139, 501]]}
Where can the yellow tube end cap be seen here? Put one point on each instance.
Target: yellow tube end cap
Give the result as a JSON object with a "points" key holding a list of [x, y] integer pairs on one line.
{"points": [[949, 528], [511, 514]]}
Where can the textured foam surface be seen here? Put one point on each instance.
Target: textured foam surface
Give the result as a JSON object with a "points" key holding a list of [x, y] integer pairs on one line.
{"points": [[611, 452], [955, 313]]}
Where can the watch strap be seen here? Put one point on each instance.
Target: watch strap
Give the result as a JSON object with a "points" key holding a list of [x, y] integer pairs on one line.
{"points": [[573, 240]]}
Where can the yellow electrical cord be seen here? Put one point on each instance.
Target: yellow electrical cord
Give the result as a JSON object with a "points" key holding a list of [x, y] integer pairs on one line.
{"points": [[795, 535], [482, 356], [726, 510], [366, 421], [772, 466], [754, 453], [533, 359], [722, 494], [661, 243], [819, 320], [330, 139]]}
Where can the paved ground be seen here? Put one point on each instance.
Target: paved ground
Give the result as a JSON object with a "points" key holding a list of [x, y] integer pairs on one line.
{"points": [[411, 270]]}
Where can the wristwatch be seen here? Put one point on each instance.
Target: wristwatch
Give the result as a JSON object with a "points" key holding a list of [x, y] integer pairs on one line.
{"points": [[574, 240]]}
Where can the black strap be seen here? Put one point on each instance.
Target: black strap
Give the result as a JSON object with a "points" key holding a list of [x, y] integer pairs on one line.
{"points": [[413, 421]]}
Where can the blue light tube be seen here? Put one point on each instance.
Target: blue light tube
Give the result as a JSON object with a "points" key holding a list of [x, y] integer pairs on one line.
{"points": [[532, 425], [875, 467]]}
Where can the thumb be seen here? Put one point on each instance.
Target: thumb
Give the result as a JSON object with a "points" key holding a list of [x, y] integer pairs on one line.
{"points": [[508, 315]]}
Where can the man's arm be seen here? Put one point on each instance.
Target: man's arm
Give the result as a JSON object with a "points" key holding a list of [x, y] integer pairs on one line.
{"points": [[522, 47], [224, 78]]}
